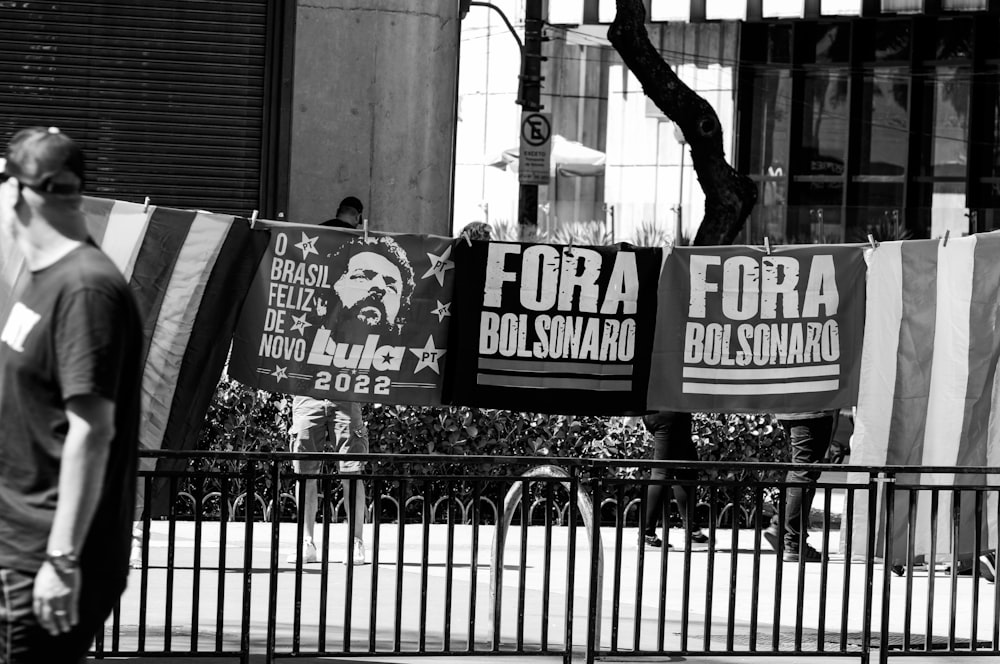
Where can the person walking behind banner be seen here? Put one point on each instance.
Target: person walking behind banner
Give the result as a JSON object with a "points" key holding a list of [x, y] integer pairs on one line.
{"points": [[672, 440], [70, 362], [317, 422], [810, 435], [476, 230], [348, 214]]}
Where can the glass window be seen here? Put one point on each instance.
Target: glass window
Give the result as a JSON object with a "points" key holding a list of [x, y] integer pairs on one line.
{"points": [[947, 95], [989, 185], [832, 42], [824, 123], [879, 212], [995, 98], [819, 218], [885, 122], [779, 44], [892, 41], [772, 102], [768, 217], [954, 40]]}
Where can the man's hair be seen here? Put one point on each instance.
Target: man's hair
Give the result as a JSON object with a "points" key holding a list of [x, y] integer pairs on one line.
{"points": [[382, 245], [46, 160], [477, 230], [351, 203]]}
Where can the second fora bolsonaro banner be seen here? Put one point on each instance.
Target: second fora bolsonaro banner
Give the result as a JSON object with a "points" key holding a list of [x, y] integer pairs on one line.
{"points": [[424, 320]]}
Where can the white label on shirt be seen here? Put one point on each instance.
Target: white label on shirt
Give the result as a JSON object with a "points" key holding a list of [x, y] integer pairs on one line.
{"points": [[19, 326]]}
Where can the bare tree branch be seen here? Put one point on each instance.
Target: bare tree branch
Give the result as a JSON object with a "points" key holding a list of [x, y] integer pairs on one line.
{"points": [[729, 195]]}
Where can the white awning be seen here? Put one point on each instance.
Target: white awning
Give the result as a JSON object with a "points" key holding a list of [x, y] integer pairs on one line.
{"points": [[784, 8], [581, 12]]}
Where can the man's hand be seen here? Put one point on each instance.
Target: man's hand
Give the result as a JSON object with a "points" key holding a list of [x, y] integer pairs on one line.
{"points": [[56, 598]]}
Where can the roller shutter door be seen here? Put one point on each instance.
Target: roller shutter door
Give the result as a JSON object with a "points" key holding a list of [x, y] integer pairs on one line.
{"points": [[166, 97]]}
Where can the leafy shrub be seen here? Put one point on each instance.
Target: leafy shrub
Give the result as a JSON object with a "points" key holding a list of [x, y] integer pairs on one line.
{"points": [[240, 418]]}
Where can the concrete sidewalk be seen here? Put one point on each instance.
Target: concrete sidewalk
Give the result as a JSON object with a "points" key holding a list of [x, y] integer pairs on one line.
{"points": [[725, 592]]}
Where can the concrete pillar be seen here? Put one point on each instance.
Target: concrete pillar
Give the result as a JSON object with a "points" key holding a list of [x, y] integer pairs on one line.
{"points": [[374, 111]]}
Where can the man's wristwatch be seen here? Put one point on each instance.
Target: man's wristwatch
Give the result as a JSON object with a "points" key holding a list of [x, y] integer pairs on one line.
{"points": [[64, 562]]}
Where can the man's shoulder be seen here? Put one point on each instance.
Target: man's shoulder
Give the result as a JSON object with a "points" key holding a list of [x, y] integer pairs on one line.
{"points": [[90, 269], [95, 268]]}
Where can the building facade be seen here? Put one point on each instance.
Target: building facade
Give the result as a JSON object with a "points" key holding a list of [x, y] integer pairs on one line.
{"points": [[232, 106], [854, 117]]}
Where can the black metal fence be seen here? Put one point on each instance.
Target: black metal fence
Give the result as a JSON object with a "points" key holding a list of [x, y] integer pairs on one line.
{"points": [[543, 558]]}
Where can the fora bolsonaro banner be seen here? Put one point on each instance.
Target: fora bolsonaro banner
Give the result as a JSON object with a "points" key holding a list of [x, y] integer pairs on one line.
{"points": [[423, 320], [340, 315], [548, 328], [739, 329]]}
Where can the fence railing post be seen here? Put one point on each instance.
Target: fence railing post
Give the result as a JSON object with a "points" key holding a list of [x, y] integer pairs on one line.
{"points": [[249, 474], [272, 589], [595, 594], [511, 501], [888, 482], [873, 522]]}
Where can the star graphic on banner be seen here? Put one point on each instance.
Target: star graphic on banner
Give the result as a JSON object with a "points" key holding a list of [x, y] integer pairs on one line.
{"points": [[308, 246], [428, 356], [442, 310], [300, 324], [388, 357], [439, 265], [280, 372]]}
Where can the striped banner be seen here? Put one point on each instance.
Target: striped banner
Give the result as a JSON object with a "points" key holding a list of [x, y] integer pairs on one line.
{"points": [[928, 390], [189, 272]]}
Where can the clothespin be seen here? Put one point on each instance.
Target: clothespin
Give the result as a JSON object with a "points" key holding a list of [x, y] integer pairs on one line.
{"points": [[145, 207], [872, 242], [253, 218], [364, 226], [767, 245], [947, 234]]}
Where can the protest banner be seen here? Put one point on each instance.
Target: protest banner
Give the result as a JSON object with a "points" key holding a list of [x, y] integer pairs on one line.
{"points": [[930, 389], [739, 329], [554, 329], [345, 315]]}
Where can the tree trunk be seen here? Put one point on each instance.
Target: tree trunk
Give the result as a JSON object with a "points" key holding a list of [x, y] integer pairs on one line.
{"points": [[729, 195]]}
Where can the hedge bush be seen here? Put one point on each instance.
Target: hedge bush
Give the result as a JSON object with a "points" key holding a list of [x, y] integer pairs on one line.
{"points": [[240, 418]]}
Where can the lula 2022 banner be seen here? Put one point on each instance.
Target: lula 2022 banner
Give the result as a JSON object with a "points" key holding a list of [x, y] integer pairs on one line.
{"points": [[337, 315], [739, 329], [557, 329]]}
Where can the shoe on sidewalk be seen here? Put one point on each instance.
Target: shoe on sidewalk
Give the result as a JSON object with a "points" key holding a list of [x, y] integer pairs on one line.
{"points": [[359, 552], [810, 555], [988, 566], [773, 537], [699, 537], [650, 540], [653, 541], [308, 553]]}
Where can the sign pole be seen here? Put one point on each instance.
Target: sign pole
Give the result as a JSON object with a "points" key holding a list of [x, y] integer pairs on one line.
{"points": [[530, 101]]}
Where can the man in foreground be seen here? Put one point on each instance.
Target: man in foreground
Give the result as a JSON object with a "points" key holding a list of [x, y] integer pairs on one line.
{"points": [[69, 387]]}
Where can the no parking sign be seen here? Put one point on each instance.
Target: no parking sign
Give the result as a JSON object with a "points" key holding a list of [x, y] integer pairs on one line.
{"points": [[536, 148]]}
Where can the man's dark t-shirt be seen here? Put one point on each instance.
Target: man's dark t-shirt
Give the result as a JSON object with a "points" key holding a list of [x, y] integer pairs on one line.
{"points": [[73, 331]]}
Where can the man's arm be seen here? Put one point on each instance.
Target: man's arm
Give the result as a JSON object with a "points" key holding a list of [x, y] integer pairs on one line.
{"points": [[81, 476]]}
